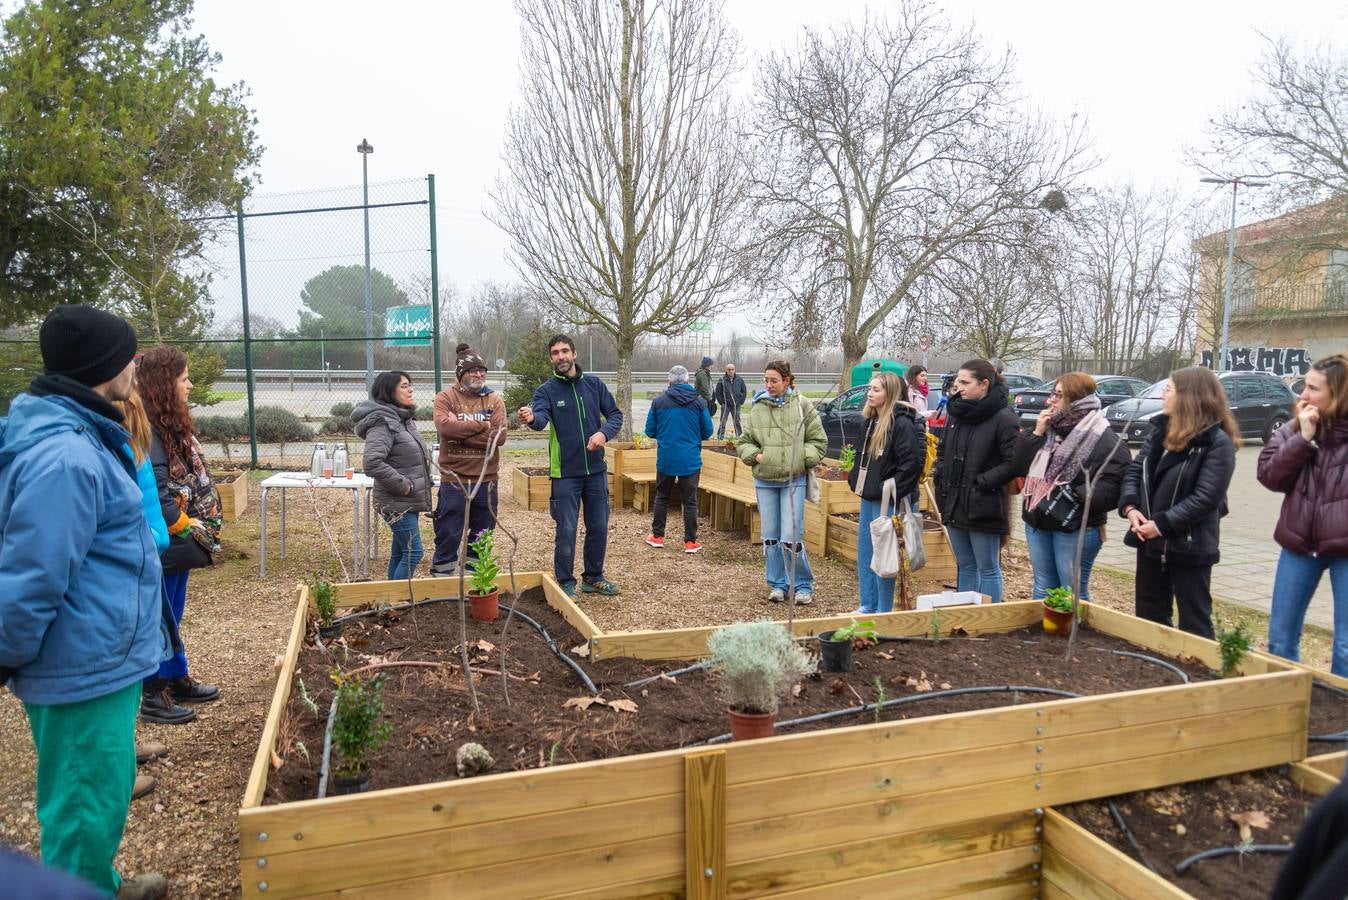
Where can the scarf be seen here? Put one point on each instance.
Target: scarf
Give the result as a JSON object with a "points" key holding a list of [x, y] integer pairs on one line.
{"points": [[779, 402], [983, 408], [1072, 435], [922, 388]]}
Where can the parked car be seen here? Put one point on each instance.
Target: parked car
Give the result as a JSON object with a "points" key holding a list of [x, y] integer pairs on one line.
{"points": [[1111, 388], [842, 420], [1260, 402], [1015, 381]]}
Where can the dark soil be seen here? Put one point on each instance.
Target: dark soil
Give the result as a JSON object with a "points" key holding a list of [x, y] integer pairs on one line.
{"points": [[727, 451], [1329, 715], [536, 470], [929, 521], [433, 714], [1202, 810], [829, 473]]}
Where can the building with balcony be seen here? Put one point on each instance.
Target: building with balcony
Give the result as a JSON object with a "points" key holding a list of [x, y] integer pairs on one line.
{"points": [[1289, 301]]}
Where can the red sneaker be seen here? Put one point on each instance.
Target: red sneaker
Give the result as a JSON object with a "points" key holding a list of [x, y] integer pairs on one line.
{"points": [[692, 547], [658, 542]]}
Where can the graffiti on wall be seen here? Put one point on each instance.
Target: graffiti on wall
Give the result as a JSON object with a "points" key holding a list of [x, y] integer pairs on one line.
{"points": [[1278, 360]]}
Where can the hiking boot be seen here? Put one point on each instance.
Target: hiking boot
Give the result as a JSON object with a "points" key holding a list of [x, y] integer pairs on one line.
{"points": [[804, 598], [156, 705], [149, 750], [656, 540], [144, 784], [143, 887], [569, 589], [602, 586], [777, 596], [692, 547], [188, 690]]}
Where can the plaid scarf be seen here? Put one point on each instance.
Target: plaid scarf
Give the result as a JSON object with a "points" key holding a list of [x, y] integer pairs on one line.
{"points": [[1072, 435]]}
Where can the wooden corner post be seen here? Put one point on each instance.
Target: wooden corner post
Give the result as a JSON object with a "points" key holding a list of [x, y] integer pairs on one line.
{"points": [[704, 824]]}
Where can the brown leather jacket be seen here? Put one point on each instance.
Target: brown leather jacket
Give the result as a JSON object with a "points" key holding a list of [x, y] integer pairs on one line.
{"points": [[465, 423], [1314, 517]]}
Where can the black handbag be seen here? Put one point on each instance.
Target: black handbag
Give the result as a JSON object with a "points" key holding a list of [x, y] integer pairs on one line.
{"points": [[1062, 508]]}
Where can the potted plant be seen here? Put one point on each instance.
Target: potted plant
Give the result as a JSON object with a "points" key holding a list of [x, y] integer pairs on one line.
{"points": [[1058, 611], [356, 730], [759, 662], [324, 596], [847, 457], [482, 571], [835, 647]]}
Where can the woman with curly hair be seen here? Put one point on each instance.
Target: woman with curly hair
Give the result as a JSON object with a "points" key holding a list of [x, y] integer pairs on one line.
{"points": [[191, 509]]}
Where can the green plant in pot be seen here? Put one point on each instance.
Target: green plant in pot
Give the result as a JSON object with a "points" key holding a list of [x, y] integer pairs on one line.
{"points": [[356, 730], [835, 647], [324, 595], [847, 457], [758, 663], [483, 568], [1058, 611]]}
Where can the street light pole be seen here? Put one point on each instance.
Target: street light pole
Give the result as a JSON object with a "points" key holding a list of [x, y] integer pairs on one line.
{"points": [[1235, 183], [364, 149]]}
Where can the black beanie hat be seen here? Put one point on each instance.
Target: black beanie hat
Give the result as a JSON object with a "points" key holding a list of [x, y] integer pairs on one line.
{"points": [[468, 358], [86, 344]]}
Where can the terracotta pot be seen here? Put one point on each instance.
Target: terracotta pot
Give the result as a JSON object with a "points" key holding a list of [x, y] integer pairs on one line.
{"points": [[354, 784], [1056, 622], [835, 656], [747, 726], [484, 606]]}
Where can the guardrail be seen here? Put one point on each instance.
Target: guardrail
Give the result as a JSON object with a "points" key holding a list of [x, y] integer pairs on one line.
{"points": [[645, 380]]}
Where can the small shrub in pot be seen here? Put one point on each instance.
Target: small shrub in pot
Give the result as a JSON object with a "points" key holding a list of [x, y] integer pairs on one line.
{"points": [[758, 662]]}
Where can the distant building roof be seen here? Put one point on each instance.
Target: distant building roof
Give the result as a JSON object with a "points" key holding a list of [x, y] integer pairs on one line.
{"points": [[1327, 217]]}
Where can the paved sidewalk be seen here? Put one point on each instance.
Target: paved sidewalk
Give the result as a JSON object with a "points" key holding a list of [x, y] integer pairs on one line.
{"points": [[1249, 553]]}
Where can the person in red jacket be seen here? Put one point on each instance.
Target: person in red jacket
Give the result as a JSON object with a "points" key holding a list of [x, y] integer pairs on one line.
{"points": [[1307, 459]]}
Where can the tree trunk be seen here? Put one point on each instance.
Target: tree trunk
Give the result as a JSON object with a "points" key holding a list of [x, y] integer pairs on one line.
{"points": [[626, 348], [853, 348]]}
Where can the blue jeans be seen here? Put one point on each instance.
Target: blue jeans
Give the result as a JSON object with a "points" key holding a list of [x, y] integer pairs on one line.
{"points": [[407, 551], [449, 521], [978, 560], [1052, 554], [567, 496], [877, 594], [175, 588], [780, 540], [1293, 586]]}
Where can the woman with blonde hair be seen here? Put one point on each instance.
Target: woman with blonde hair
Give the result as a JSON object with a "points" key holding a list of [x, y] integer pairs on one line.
{"points": [[1306, 460], [1174, 496], [1071, 443], [892, 448]]}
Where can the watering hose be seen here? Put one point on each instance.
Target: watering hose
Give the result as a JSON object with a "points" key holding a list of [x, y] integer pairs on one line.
{"points": [[1184, 865], [1336, 737], [1117, 816], [1184, 676], [897, 701], [552, 644]]}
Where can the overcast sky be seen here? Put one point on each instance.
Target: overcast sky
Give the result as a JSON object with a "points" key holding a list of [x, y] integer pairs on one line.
{"points": [[430, 84]]}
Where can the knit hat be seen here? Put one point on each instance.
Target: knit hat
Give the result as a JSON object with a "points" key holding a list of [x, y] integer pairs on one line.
{"points": [[707, 361], [468, 358], [86, 344]]}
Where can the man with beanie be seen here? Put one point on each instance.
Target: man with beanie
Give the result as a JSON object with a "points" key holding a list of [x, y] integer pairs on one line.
{"points": [[81, 620], [678, 422], [584, 417], [730, 393], [468, 416], [702, 381]]}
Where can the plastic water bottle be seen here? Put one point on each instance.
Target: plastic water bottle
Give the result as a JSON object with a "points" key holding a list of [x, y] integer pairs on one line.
{"points": [[316, 461]]}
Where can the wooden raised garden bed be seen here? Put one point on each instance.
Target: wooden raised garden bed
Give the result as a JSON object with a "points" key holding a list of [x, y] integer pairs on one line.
{"points": [[842, 544], [931, 806], [623, 459], [233, 487], [531, 489]]}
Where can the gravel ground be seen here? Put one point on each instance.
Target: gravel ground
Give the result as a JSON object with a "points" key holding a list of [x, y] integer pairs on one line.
{"points": [[235, 630]]}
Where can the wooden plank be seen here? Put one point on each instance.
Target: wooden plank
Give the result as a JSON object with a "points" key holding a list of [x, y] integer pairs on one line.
{"points": [[1332, 764], [360, 593], [306, 824], [691, 643], [1085, 866], [1312, 780], [1170, 641], [280, 698], [1005, 873], [704, 824], [364, 862], [1320, 674], [821, 865], [567, 608]]}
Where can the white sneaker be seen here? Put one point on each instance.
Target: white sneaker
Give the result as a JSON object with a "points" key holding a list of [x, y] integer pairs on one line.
{"points": [[777, 596], [804, 599], [860, 612]]}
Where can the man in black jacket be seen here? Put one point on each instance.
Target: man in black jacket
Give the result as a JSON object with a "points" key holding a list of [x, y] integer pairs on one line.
{"points": [[730, 393]]}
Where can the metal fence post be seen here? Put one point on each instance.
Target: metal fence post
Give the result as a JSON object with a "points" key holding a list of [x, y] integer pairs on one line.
{"points": [[247, 342], [435, 286]]}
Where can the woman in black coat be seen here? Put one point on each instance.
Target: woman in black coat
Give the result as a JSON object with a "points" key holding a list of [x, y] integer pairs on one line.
{"points": [[973, 468], [1174, 496], [1071, 443]]}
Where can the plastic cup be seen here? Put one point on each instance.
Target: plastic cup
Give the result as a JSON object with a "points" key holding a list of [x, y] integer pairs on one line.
{"points": [[350, 472], [327, 468]]}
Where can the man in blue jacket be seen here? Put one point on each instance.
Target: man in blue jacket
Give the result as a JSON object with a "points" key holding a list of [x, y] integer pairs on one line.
{"points": [[584, 417], [80, 591], [678, 422]]}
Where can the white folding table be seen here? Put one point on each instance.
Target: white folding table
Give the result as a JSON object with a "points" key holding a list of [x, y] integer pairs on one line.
{"points": [[361, 501]]}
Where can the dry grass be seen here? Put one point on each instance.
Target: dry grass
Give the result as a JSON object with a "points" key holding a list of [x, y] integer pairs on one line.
{"points": [[236, 624]]}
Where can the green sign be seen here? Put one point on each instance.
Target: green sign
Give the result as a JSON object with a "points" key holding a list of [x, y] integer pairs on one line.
{"points": [[700, 326], [407, 326]]}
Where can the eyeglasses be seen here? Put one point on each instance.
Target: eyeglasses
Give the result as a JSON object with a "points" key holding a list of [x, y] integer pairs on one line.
{"points": [[405, 384], [1053, 395], [136, 360]]}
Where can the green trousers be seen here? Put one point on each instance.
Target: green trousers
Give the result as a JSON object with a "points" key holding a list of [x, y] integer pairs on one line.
{"points": [[86, 767]]}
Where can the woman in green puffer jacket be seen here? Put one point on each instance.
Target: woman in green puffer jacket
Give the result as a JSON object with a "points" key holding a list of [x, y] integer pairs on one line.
{"points": [[783, 439]]}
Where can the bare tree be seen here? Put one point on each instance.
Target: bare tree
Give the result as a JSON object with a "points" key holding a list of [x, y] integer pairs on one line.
{"points": [[993, 302], [1294, 131], [883, 146], [623, 183]]}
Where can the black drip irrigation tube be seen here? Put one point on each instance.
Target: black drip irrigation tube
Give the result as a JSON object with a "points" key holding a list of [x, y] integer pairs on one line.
{"points": [[552, 644], [1183, 865], [1117, 815], [1333, 689], [1184, 676]]}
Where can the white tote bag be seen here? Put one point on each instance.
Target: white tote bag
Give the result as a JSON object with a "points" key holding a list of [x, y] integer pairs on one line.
{"points": [[912, 537], [884, 540]]}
